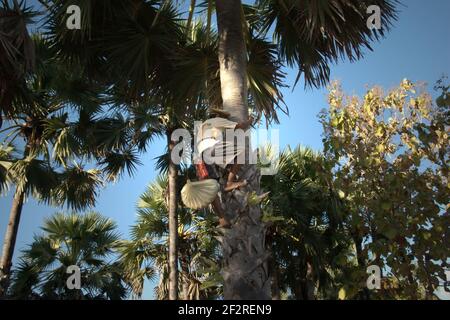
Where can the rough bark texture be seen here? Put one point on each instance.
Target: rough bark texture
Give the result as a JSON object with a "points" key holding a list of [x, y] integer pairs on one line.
{"points": [[245, 268], [10, 241], [173, 226]]}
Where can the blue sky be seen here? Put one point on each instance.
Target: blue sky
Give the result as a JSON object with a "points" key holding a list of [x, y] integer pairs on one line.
{"points": [[417, 48]]}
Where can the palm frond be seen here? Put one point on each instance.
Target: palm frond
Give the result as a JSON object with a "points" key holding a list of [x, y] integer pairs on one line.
{"points": [[77, 188], [70, 239], [265, 78], [6, 160], [17, 55], [115, 163], [311, 35], [33, 176]]}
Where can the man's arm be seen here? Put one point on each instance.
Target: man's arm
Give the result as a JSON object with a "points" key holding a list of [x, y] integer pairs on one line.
{"points": [[246, 124]]}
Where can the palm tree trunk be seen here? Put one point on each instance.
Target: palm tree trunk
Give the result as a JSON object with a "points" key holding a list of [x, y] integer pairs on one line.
{"points": [[310, 286], [190, 17], [274, 269], [245, 267], [173, 225], [232, 58], [10, 241], [185, 270], [275, 275]]}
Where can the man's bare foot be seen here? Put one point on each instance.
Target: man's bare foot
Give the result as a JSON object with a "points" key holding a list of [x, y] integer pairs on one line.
{"points": [[235, 185], [224, 223]]}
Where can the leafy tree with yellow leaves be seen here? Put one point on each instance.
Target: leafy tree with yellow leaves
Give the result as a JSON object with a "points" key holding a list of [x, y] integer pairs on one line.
{"points": [[390, 155]]}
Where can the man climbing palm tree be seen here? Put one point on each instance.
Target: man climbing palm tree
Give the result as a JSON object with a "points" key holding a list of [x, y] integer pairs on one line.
{"points": [[215, 145]]}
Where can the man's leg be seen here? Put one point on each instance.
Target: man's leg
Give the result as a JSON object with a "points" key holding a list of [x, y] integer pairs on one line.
{"points": [[231, 181], [217, 207]]}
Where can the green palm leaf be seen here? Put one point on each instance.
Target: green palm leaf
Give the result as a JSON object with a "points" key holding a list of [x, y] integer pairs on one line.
{"points": [[87, 241], [311, 35], [77, 188]]}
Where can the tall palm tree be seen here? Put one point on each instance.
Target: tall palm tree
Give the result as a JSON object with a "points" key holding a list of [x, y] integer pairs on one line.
{"points": [[62, 123], [309, 35], [195, 87], [88, 241], [128, 48], [50, 143]]}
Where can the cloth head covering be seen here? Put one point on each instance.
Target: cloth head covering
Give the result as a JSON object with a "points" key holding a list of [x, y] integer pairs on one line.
{"points": [[211, 143]]}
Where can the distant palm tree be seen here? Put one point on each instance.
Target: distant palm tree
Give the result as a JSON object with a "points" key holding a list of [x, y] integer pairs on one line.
{"points": [[146, 254], [306, 233], [87, 241]]}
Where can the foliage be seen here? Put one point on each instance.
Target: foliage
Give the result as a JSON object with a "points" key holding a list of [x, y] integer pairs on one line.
{"points": [[390, 156], [136, 70], [39, 165], [146, 254], [88, 241], [311, 35], [308, 242], [17, 56]]}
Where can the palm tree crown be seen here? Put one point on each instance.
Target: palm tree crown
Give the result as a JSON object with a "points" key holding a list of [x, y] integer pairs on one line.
{"points": [[87, 241]]}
